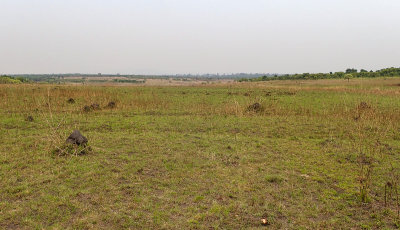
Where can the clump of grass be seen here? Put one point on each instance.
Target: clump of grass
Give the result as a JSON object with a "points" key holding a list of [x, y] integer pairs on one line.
{"points": [[286, 93], [391, 187], [366, 167], [274, 179], [71, 149], [363, 110]]}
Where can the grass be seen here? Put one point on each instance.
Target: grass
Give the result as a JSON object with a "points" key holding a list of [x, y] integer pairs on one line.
{"points": [[196, 157]]}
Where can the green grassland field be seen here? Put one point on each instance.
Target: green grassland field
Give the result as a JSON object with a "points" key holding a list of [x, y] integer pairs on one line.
{"points": [[317, 154]]}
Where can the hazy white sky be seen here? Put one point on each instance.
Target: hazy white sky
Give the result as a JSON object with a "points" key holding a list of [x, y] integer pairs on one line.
{"points": [[197, 36]]}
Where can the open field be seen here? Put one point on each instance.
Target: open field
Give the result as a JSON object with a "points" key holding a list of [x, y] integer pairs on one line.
{"points": [[312, 155]]}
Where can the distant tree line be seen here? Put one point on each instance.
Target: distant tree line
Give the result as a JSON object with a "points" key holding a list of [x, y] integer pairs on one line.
{"points": [[348, 74], [55, 78], [128, 81]]}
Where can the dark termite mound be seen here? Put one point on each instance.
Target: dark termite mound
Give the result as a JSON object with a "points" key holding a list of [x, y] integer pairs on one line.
{"points": [[86, 108], [95, 106], [76, 138], [29, 118], [111, 105], [76, 144], [256, 107], [71, 101], [363, 105]]}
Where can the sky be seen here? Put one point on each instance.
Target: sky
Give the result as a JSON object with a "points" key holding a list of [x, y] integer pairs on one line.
{"points": [[197, 36]]}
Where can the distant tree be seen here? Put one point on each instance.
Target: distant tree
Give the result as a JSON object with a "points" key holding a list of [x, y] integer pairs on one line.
{"points": [[4, 79], [363, 71], [348, 76], [22, 79], [351, 70], [339, 75]]}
